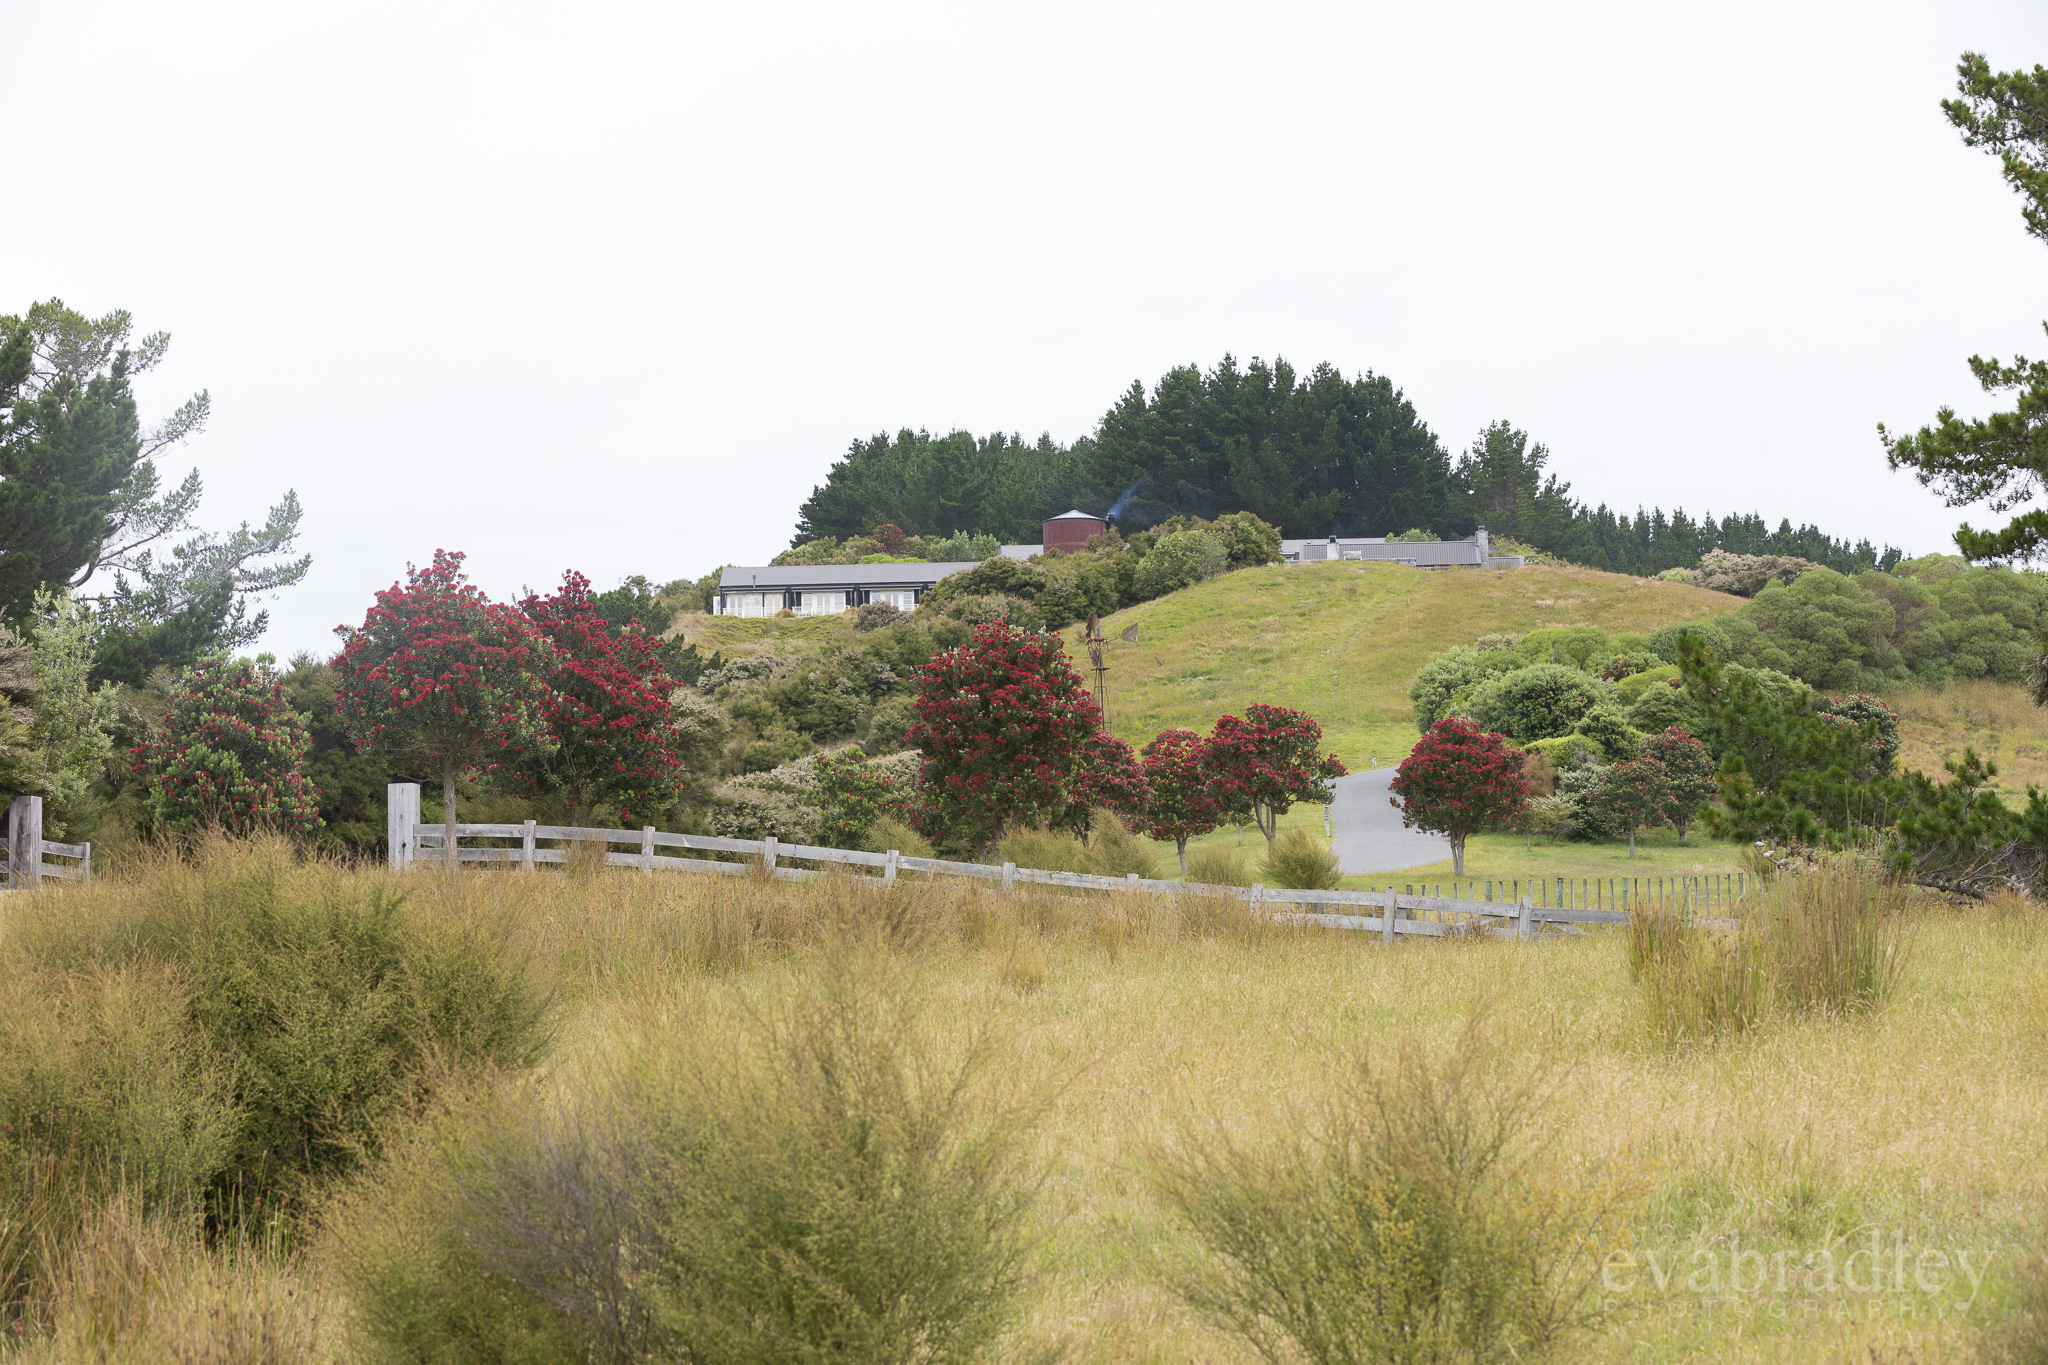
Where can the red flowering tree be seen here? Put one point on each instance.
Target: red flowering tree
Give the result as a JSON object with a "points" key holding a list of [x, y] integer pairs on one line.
{"points": [[439, 672], [1634, 794], [231, 754], [1459, 780], [1110, 778], [890, 537], [617, 738], [1690, 769], [1263, 764], [1008, 733], [1184, 803]]}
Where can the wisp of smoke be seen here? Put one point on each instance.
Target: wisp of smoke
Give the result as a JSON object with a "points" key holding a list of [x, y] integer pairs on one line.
{"points": [[1124, 498]]}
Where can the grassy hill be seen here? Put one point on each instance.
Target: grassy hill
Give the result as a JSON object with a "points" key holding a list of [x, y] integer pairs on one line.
{"points": [[1342, 641]]}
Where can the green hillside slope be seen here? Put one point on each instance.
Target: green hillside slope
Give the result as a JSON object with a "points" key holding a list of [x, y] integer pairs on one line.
{"points": [[1341, 641]]}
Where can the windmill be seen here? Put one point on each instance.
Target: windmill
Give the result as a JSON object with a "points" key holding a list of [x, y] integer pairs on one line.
{"points": [[1098, 662]]}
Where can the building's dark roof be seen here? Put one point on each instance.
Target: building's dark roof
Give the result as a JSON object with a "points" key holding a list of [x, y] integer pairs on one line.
{"points": [[833, 577]]}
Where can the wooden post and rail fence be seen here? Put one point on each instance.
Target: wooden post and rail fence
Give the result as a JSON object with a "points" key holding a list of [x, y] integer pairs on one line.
{"points": [[412, 844], [29, 854]]}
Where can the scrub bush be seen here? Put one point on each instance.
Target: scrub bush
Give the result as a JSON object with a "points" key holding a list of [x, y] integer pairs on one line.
{"points": [[1299, 861], [1415, 1218], [300, 1008], [839, 1183]]}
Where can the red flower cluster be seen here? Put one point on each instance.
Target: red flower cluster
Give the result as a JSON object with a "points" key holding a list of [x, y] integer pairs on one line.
{"points": [[440, 672], [607, 707], [1010, 736], [230, 754], [1460, 780], [1261, 765]]}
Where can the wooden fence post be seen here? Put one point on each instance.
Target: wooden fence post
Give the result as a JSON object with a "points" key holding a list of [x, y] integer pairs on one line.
{"points": [[1527, 927], [526, 848], [1388, 915], [401, 824], [889, 867], [768, 852], [25, 843], [85, 864], [1009, 879], [647, 849]]}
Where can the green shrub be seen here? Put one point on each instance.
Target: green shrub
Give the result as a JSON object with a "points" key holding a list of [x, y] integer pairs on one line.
{"points": [[1610, 732], [1538, 702], [321, 1005], [1565, 752], [1113, 851], [1300, 861], [1180, 559], [890, 832], [1632, 687], [1219, 865], [1416, 1219], [1046, 850], [824, 1187]]}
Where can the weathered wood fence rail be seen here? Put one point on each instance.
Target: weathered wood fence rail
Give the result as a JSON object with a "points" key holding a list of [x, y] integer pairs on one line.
{"points": [[413, 843], [29, 853]]}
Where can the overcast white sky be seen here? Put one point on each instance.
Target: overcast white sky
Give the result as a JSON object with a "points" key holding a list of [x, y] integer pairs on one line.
{"points": [[609, 286]]}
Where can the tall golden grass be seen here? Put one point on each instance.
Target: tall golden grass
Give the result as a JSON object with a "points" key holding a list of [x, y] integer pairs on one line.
{"points": [[1830, 938], [1146, 1018]]}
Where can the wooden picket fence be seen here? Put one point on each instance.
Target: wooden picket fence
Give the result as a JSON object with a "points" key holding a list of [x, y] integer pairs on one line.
{"points": [[413, 843], [1708, 891], [28, 853]]}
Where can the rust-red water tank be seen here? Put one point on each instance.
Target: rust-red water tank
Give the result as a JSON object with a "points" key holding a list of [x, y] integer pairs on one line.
{"points": [[1070, 530]]}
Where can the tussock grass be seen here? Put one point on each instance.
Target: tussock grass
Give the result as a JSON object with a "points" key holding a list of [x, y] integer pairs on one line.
{"points": [[1301, 861], [1408, 1216], [1827, 940], [838, 1181], [1153, 1017]]}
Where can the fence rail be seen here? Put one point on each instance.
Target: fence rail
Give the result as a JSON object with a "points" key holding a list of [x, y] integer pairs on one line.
{"points": [[28, 853], [413, 842]]}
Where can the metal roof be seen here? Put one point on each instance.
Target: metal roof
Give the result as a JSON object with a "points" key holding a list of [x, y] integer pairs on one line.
{"points": [[1076, 515], [834, 577], [1428, 553]]}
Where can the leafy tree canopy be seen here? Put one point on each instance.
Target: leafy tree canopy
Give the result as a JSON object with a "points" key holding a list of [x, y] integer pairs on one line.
{"points": [[81, 501], [1308, 453], [2001, 458]]}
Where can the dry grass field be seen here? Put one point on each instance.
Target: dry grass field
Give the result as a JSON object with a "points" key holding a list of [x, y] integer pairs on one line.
{"points": [[1823, 1187]]}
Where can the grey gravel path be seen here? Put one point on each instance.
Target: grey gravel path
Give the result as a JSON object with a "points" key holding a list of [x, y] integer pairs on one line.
{"points": [[1369, 836]]}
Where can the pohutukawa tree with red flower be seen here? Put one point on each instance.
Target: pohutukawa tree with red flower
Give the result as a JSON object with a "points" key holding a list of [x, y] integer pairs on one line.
{"points": [[439, 672], [617, 742], [1460, 780], [1010, 737], [1184, 804], [1691, 770], [1634, 795], [1265, 762], [231, 754]]}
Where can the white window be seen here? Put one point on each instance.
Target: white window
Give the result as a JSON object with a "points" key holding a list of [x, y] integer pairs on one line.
{"points": [[750, 603], [902, 598], [822, 604]]}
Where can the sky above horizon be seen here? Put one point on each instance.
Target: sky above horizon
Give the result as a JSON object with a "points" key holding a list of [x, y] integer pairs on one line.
{"points": [[610, 287]]}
